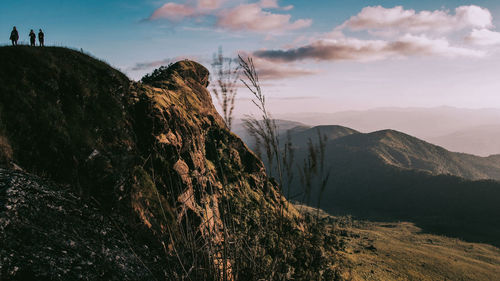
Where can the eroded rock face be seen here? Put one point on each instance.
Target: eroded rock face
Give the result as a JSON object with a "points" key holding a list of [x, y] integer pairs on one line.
{"points": [[151, 162], [192, 154]]}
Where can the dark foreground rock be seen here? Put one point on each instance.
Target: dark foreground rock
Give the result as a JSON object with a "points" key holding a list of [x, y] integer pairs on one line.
{"points": [[55, 235]]}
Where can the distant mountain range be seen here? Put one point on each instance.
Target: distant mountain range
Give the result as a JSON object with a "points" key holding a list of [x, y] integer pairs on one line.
{"points": [[473, 131], [393, 148], [388, 147], [389, 175], [481, 140]]}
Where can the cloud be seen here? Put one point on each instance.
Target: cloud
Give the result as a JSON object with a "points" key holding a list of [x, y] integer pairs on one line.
{"points": [[176, 12], [394, 33], [289, 98], [397, 19], [277, 72], [210, 4], [173, 11], [150, 65], [270, 70], [141, 66], [269, 4], [368, 50], [483, 37], [252, 17]]}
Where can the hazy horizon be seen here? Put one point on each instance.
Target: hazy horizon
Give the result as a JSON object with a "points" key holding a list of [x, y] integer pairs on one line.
{"points": [[472, 131], [281, 114]]}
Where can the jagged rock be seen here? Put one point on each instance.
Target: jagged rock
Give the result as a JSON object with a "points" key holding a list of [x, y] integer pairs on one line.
{"points": [[156, 158]]}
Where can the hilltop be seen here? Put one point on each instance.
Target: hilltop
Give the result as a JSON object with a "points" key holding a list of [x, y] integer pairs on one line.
{"points": [[103, 178]]}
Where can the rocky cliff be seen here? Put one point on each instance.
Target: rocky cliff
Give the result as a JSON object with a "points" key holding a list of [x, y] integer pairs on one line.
{"points": [[103, 178]]}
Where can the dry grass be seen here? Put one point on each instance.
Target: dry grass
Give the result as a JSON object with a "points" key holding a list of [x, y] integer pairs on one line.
{"points": [[400, 251], [224, 85]]}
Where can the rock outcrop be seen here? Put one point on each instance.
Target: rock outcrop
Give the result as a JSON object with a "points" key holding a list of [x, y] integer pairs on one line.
{"points": [[120, 180]]}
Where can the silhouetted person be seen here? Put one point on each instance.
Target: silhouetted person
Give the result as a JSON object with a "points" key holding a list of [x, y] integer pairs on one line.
{"points": [[41, 38], [14, 36], [32, 38]]}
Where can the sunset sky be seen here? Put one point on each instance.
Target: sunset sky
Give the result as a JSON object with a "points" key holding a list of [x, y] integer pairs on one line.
{"points": [[312, 55]]}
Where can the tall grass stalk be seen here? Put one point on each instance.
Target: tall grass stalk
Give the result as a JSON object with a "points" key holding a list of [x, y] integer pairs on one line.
{"points": [[224, 87]]}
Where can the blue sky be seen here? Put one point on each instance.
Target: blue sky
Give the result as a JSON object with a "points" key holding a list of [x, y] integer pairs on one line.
{"points": [[136, 36]]}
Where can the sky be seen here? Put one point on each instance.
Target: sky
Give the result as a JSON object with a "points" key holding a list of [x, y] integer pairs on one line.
{"points": [[312, 56]]}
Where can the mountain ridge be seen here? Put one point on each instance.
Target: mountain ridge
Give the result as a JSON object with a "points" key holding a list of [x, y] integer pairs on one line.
{"points": [[389, 175], [436, 125], [397, 149]]}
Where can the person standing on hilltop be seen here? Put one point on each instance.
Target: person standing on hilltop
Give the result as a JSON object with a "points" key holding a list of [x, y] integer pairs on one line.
{"points": [[32, 38], [14, 36], [41, 38]]}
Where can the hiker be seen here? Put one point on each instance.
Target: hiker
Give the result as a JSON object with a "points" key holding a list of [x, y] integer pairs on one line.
{"points": [[14, 36], [41, 38], [32, 38]]}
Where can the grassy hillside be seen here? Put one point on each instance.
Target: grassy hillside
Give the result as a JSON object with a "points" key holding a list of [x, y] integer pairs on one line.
{"points": [[402, 251], [59, 106]]}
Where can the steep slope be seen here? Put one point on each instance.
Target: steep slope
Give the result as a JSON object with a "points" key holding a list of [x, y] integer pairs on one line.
{"points": [[153, 162]]}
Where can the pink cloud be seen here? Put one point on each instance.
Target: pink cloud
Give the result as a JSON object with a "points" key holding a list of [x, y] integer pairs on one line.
{"points": [[368, 50], [251, 17], [271, 70], [244, 17], [176, 12], [398, 19], [210, 4], [269, 4], [173, 11]]}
